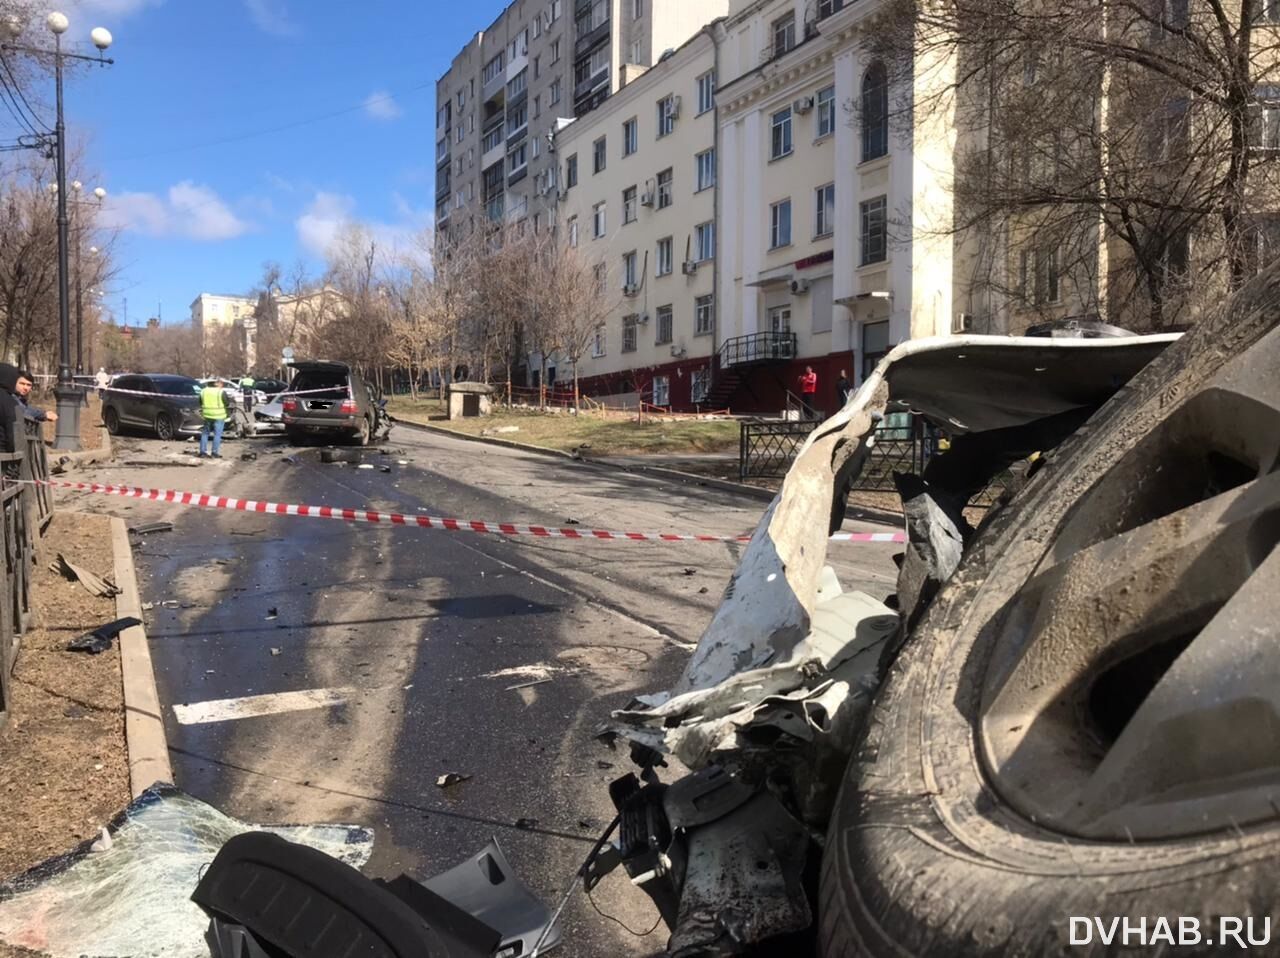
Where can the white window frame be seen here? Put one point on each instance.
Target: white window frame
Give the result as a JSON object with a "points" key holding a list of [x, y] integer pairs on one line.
{"points": [[629, 268], [780, 318], [824, 210], [662, 390], [630, 136], [700, 385], [630, 333], [555, 50], [704, 241], [599, 219], [777, 240], [663, 258], [704, 164], [599, 342], [659, 321], [665, 191], [599, 155], [866, 212], [781, 134], [825, 108], [706, 92], [637, 9], [666, 115], [783, 33], [704, 314], [630, 205], [554, 92]]}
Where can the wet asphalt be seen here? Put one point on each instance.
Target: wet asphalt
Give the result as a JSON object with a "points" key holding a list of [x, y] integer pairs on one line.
{"points": [[428, 636]]}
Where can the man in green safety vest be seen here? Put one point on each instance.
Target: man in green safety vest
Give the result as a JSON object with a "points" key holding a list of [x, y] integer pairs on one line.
{"points": [[213, 408]]}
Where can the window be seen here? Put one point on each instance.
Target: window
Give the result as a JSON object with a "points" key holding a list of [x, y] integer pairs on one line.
{"points": [[828, 7], [442, 148], [665, 189], [664, 325], [780, 224], [875, 112], [597, 155], [596, 16], [517, 119], [535, 141], [630, 138], [602, 277], [597, 342], [784, 34], [826, 111], [635, 52], [664, 257], [875, 231], [1048, 278], [492, 139], [537, 64], [554, 92], [537, 29], [875, 345], [700, 384], [471, 123], [1267, 125], [704, 242], [554, 11], [704, 315], [666, 115], [629, 269], [573, 231], [629, 333], [598, 220], [661, 391], [629, 205], [555, 50], [780, 140], [637, 9], [518, 83], [825, 210], [705, 168], [1039, 278], [706, 92], [461, 133], [493, 68], [537, 106], [571, 172], [1270, 11], [780, 319], [518, 158]]}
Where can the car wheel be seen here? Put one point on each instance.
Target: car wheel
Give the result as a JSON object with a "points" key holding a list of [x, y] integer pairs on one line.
{"points": [[164, 426], [111, 419], [1083, 725], [362, 437]]}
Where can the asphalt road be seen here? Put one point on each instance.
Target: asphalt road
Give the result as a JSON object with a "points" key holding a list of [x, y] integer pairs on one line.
{"points": [[420, 635]]}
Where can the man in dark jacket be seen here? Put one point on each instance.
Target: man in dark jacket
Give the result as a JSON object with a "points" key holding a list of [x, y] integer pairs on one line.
{"points": [[23, 391], [10, 415]]}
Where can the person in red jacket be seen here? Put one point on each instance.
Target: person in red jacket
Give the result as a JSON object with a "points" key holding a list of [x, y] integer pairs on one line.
{"points": [[808, 392]]}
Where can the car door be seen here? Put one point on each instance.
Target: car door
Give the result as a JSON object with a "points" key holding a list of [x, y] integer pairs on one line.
{"points": [[124, 400]]}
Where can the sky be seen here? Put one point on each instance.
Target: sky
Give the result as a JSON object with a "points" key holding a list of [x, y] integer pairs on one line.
{"points": [[233, 132]]}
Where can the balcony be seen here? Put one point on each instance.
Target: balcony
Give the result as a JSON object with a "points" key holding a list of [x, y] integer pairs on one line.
{"points": [[494, 89], [518, 175], [592, 39], [590, 85], [494, 155], [515, 136], [758, 348], [442, 188]]}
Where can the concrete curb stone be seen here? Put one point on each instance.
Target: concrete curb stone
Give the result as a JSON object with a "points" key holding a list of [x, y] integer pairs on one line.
{"points": [[145, 742]]}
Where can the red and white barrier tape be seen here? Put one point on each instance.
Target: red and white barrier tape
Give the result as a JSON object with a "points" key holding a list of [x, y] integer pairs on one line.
{"points": [[196, 395], [205, 501]]}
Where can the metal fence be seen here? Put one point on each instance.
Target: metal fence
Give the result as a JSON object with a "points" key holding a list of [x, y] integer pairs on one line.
{"points": [[25, 512], [767, 447]]}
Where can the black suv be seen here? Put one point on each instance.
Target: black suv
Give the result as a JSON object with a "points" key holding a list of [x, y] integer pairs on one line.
{"points": [[330, 399], [172, 410]]}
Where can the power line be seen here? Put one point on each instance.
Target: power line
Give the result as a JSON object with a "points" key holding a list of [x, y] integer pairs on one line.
{"points": [[17, 88], [15, 111], [236, 138]]}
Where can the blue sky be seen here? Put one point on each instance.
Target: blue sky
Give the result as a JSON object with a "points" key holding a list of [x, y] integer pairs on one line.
{"points": [[201, 203]]}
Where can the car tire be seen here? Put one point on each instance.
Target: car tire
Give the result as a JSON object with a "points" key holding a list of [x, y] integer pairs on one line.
{"points": [[111, 419], [164, 427], [933, 848], [365, 431]]}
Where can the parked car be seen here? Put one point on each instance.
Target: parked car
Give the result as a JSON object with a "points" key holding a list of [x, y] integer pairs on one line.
{"points": [[269, 388], [175, 411], [334, 401]]}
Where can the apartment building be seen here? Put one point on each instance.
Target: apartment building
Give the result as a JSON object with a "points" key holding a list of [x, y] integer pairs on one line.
{"points": [[638, 198], [532, 71], [834, 244], [212, 309]]}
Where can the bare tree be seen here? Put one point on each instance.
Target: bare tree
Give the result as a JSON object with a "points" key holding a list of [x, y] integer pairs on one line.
{"points": [[1121, 151], [578, 301]]}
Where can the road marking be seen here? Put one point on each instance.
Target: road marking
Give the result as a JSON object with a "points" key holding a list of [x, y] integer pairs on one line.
{"points": [[252, 706]]}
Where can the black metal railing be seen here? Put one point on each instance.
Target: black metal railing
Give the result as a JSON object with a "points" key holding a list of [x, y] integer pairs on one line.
{"points": [[758, 348], [766, 448]]}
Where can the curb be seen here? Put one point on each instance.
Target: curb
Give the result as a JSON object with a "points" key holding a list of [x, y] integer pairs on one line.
{"points": [[725, 485], [86, 457], [145, 742]]}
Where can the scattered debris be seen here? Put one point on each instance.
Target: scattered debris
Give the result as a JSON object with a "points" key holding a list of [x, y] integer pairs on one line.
{"points": [[602, 764], [688, 571], [572, 521], [365, 465], [384, 468], [99, 640], [703, 590], [93, 583], [525, 685], [148, 527], [526, 823], [451, 778], [148, 606], [275, 651], [246, 532], [402, 462], [292, 459], [272, 613], [248, 456], [169, 604], [339, 455]]}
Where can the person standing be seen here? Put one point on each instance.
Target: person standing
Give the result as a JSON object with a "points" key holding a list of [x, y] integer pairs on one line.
{"points": [[11, 415], [808, 392], [843, 388], [103, 379], [213, 409], [22, 391]]}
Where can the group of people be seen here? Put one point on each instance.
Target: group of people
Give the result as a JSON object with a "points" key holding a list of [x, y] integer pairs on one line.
{"points": [[809, 391]]}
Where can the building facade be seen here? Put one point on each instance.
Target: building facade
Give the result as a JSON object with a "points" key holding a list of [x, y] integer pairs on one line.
{"points": [[638, 198], [533, 70], [212, 309]]}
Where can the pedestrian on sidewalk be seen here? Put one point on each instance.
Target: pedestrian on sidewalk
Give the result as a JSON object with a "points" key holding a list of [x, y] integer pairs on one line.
{"points": [[22, 391], [10, 417], [213, 409], [843, 388], [103, 379], [808, 392]]}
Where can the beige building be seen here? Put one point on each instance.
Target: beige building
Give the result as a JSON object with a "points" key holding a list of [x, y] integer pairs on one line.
{"points": [[537, 67], [212, 309], [638, 197]]}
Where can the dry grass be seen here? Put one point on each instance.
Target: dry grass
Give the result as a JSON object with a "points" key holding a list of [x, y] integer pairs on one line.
{"points": [[566, 431]]}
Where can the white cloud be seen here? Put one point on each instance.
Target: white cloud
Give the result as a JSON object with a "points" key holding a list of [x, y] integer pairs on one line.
{"points": [[114, 8], [271, 16], [382, 106], [188, 210], [330, 214]]}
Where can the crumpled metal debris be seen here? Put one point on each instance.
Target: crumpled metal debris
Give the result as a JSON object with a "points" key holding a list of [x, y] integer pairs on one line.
{"points": [[100, 639], [94, 584]]}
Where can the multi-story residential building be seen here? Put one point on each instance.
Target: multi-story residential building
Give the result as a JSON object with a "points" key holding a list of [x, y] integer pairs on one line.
{"points": [[834, 224], [538, 66], [638, 198], [212, 309]]}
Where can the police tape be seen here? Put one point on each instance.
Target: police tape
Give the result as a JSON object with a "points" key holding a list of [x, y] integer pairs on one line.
{"points": [[206, 501], [196, 395]]}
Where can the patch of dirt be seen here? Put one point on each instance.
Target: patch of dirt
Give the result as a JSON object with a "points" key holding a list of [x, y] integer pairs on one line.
{"points": [[63, 766]]}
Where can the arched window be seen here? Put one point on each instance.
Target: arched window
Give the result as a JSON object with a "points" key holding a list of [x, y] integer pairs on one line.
{"points": [[875, 112]]}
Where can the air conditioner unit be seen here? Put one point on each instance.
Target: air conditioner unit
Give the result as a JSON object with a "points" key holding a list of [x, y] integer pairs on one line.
{"points": [[678, 352], [963, 323], [642, 318], [803, 105], [799, 286], [630, 289], [675, 107], [689, 267], [646, 198]]}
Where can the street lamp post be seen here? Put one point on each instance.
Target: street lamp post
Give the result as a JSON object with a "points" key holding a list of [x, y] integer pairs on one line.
{"points": [[67, 393], [100, 194]]}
